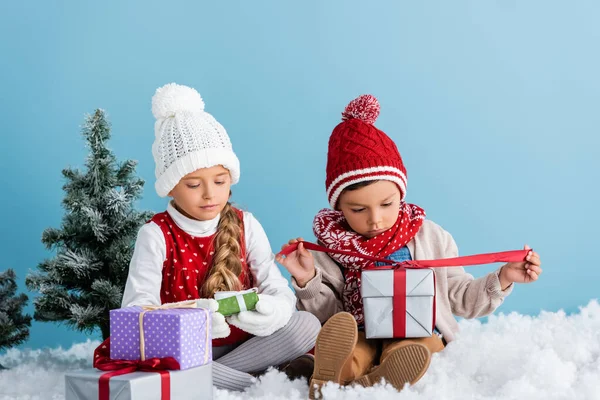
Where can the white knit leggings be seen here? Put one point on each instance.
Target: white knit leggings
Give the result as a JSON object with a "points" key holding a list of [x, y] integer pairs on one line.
{"points": [[232, 365]]}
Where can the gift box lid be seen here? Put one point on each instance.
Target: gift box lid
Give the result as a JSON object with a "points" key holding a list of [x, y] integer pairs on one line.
{"points": [[380, 283]]}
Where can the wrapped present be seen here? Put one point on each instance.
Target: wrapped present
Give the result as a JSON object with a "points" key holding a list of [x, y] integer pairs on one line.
{"points": [[398, 303], [234, 302], [92, 384], [139, 333], [153, 378]]}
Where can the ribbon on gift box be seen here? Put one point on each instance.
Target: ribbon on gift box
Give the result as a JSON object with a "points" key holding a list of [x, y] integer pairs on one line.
{"points": [[399, 297], [169, 306], [103, 362]]}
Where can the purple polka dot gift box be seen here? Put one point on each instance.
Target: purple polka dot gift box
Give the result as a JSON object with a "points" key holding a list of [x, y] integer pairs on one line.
{"points": [[181, 333]]}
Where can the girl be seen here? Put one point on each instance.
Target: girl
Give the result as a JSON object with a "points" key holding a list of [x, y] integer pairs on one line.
{"points": [[366, 188], [201, 244]]}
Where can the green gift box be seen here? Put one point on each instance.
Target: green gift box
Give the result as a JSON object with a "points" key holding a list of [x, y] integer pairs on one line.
{"points": [[234, 302]]}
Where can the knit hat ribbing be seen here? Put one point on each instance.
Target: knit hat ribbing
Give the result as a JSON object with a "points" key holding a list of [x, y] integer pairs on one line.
{"points": [[359, 152], [187, 138]]}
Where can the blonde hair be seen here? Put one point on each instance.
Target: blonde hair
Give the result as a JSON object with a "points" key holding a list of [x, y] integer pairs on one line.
{"points": [[226, 264]]}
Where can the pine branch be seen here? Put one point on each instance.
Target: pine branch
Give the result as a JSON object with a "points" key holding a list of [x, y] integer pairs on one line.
{"points": [[52, 237], [125, 172], [109, 291], [14, 325], [80, 264], [86, 318]]}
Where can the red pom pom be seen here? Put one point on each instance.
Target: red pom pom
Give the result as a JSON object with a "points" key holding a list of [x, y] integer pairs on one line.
{"points": [[365, 108]]}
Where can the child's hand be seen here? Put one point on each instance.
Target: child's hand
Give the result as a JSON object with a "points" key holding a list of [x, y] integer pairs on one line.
{"points": [[299, 263], [521, 272]]}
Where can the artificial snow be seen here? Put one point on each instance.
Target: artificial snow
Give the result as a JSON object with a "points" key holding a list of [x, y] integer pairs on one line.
{"points": [[550, 356]]}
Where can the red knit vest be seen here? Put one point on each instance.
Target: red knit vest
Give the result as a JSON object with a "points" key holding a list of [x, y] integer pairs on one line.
{"points": [[187, 263]]}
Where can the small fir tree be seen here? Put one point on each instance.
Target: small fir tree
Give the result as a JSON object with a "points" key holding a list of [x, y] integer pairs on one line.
{"points": [[95, 242]]}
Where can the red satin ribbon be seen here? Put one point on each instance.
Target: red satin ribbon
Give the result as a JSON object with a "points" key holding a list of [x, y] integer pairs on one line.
{"points": [[477, 259], [399, 297], [399, 301], [103, 362]]}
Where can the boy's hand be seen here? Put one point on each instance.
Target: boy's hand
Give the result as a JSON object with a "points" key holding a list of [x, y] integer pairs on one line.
{"points": [[299, 263], [521, 272]]}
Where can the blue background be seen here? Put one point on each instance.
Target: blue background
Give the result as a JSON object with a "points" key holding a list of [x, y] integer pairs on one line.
{"points": [[493, 105]]}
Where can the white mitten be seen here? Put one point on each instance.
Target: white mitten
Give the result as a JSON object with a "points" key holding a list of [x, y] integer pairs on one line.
{"points": [[220, 328], [271, 313]]}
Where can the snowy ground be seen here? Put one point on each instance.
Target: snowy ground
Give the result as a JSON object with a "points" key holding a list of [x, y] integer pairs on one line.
{"points": [[551, 356]]}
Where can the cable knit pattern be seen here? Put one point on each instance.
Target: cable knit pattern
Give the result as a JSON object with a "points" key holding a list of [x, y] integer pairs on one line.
{"points": [[187, 138]]}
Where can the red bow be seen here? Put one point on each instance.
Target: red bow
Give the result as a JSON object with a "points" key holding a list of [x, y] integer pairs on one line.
{"points": [[103, 362]]}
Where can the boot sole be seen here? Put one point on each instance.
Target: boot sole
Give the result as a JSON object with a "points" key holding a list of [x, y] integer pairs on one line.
{"points": [[408, 364], [333, 348]]}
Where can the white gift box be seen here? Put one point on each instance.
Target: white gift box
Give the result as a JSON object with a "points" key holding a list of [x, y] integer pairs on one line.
{"points": [[378, 288], [190, 384]]}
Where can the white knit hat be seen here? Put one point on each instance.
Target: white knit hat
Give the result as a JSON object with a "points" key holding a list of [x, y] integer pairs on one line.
{"points": [[187, 138]]}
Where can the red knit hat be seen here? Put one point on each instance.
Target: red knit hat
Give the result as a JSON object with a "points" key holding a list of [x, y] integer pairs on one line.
{"points": [[359, 152]]}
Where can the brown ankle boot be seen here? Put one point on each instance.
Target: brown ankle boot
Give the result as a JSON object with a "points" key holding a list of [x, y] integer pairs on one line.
{"points": [[301, 367], [407, 364], [333, 352]]}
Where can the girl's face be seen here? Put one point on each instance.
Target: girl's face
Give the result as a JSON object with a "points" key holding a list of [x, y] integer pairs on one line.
{"points": [[371, 210], [202, 194]]}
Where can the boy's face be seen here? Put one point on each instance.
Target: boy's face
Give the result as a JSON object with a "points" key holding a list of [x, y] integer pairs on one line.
{"points": [[371, 210], [203, 194]]}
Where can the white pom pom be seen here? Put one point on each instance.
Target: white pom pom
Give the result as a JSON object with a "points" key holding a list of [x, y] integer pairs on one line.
{"points": [[172, 98]]}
